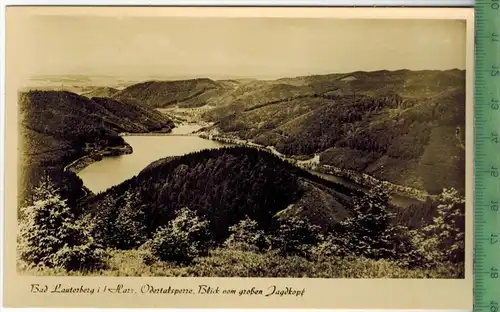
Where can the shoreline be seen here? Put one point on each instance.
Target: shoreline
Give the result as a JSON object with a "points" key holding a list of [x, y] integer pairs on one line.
{"points": [[363, 179], [99, 153], [312, 164], [95, 156]]}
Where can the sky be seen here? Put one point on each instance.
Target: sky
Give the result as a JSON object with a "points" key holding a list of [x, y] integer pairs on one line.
{"points": [[183, 47]]}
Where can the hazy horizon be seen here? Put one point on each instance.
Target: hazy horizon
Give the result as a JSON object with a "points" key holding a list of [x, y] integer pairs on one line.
{"points": [[140, 78], [236, 48]]}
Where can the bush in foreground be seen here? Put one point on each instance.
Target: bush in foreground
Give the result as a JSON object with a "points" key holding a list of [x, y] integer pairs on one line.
{"points": [[51, 236], [295, 236], [182, 239], [443, 240], [246, 235]]}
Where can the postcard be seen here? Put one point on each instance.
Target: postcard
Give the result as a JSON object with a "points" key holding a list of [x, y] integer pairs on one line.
{"points": [[239, 157]]}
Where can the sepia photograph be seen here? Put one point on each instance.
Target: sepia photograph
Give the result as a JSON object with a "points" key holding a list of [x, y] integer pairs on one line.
{"points": [[240, 147]]}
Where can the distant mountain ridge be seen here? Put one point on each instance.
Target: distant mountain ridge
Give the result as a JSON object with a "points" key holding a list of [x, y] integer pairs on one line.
{"points": [[394, 125], [159, 94], [100, 92]]}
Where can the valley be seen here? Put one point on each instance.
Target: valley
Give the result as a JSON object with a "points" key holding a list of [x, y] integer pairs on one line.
{"points": [[131, 161], [392, 126]]}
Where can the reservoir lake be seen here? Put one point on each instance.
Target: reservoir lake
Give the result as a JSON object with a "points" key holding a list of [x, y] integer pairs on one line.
{"points": [[111, 171]]}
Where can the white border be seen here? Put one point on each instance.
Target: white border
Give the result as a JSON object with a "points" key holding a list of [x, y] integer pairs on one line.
{"points": [[351, 3]]}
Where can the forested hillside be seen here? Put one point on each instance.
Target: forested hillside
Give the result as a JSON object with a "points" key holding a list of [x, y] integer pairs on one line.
{"points": [[100, 92], [225, 185], [405, 127], [243, 212], [185, 93], [57, 127]]}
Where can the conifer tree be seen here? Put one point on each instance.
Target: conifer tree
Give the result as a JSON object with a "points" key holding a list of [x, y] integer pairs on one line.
{"points": [[130, 229], [368, 231], [50, 235], [46, 226], [102, 222], [444, 239]]}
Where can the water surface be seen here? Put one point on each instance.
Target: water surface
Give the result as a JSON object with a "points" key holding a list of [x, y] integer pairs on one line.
{"points": [[111, 171]]}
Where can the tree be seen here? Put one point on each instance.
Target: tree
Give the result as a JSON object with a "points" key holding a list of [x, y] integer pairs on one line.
{"points": [[182, 239], [44, 225], [130, 228], [443, 241], [102, 223], [85, 254], [296, 236], [50, 235], [368, 231], [246, 235]]}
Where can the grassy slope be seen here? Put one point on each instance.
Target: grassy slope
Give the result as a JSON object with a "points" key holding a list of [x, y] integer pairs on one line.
{"points": [[235, 263]]}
